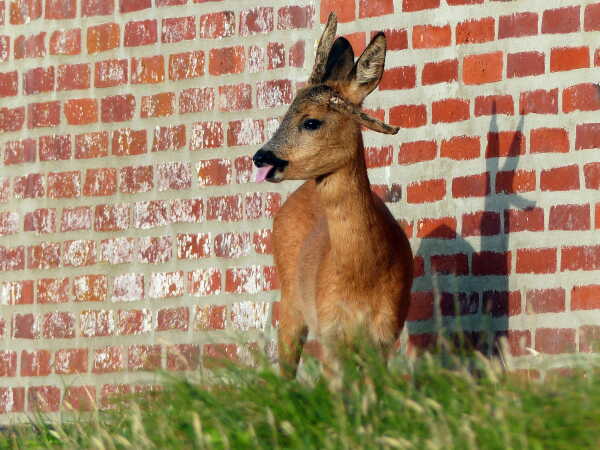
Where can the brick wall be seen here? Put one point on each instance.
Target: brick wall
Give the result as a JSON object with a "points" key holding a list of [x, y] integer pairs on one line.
{"points": [[132, 237]]}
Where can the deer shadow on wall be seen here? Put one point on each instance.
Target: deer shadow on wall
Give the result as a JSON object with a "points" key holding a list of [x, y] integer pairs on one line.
{"points": [[468, 290]]}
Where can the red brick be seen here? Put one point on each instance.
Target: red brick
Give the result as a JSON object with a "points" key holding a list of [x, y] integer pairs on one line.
{"points": [[515, 181], [79, 398], [91, 145], [65, 42], [134, 179], [370, 8], [408, 116], [482, 223], [58, 325], [214, 172], [544, 140], [226, 208], [4, 47], [539, 102], [168, 138], [16, 292], [581, 97], [569, 58], [560, 179], [183, 357], [398, 78], [483, 68], [505, 143], [111, 217], [13, 258], [110, 72], [256, 20], [167, 284], [173, 319], [33, 46], [536, 260], [217, 25], [143, 32], [90, 288], [101, 38], [588, 136], [64, 184], [443, 228], [209, 318], [76, 219], [273, 93], [516, 220], [440, 72], [555, 340], [24, 11], [379, 156], [8, 363], [525, 64], [426, 191], [580, 258], [431, 36], [97, 7], [589, 336], [9, 223], [396, 39], [128, 142], [455, 264], [585, 297], [19, 152], [545, 300], [194, 100], [144, 357], [35, 363], [245, 132], [12, 119], [100, 182], [8, 84], [204, 282], [113, 393], [232, 245], [175, 175], [569, 217], [134, 322], [460, 148], [43, 399], [296, 54], [38, 80], [592, 18], [29, 186], [449, 110], [344, 9], [591, 172], [561, 20], [418, 5], [177, 29], [518, 342], [147, 70], [108, 359], [81, 111], [25, 326], [126, 6], [61, 9], [117, 108], [40, 115], [518, 25], [471, 186], [412, 152], [73, 76], [50, 291], [155, 250], [128, 287], [158, 105], [295, 17], [185, 66], [475, 31], [491, 263], [275, 55]]}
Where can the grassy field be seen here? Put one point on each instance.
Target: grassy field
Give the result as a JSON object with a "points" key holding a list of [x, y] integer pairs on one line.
{"points": [[433, 404]]}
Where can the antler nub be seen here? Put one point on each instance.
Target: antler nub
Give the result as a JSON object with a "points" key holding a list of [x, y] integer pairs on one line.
{"points": [[341, 105], [325, 44]]}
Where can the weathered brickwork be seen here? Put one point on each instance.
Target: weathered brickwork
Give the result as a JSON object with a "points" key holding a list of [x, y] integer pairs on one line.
{"points": [[132, 237]]}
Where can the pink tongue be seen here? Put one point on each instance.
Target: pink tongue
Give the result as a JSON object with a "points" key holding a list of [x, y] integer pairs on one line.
{"points": [[261, 173]]}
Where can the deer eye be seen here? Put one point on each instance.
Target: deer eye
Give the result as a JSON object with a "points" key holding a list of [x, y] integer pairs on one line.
{"points": [[311, 124]]}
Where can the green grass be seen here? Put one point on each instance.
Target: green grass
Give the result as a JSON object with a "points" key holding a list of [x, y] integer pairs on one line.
{"points": [[433, 404]]}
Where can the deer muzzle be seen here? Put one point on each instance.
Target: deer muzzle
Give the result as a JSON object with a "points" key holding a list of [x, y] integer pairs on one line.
{"points": [[268, 166]]}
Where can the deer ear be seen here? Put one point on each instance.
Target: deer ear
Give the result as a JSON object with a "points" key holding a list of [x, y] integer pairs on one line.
{"points": [[339, 62], [367, 71]]}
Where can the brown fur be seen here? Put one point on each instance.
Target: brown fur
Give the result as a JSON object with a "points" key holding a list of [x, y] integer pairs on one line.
{"points": [[344, 264]]}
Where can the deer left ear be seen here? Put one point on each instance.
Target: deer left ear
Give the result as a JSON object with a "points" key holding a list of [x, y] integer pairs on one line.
{"points": [[367, 71]]}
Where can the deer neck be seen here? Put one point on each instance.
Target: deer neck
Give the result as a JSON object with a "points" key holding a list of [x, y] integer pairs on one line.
{"points": [[352, 219]]}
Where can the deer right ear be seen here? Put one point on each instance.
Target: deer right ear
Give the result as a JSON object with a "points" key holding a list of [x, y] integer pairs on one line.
{"points": [[367, 71]]}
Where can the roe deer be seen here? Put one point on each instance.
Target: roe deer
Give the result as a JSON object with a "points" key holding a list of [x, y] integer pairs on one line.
{"points": [[344, 264]]}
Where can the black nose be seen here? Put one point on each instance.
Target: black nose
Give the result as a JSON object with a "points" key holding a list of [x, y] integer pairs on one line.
{"points": [[267, 157]]}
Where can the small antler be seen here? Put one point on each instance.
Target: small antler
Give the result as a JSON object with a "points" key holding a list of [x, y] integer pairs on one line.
{"points": [[325, 44], [339, 104]]}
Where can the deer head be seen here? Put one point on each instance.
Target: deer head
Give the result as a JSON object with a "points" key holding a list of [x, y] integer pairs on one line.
{"points": [[320, 131]]}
